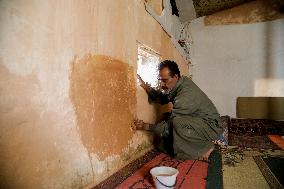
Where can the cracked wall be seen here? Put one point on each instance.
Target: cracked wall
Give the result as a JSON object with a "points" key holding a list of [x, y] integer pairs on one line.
{"points": [[51, 74]]}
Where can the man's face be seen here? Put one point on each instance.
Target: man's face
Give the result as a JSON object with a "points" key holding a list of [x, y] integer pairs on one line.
{"points": [[167, 82]]}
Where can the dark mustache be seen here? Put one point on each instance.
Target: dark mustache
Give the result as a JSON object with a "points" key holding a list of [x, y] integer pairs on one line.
{"points": [[164, 88]]}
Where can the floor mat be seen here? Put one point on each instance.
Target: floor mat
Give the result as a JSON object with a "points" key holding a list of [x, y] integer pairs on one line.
{"points": [[272, 169], [278, 140], [240, 169], [126, 171], [192, 173], [252, 141], [256, 126], [254, 133], [215, 171]]}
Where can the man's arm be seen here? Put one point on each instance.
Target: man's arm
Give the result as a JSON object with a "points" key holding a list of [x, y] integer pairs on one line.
{"points": [[154, 95], [158, 96], [161, 129]]}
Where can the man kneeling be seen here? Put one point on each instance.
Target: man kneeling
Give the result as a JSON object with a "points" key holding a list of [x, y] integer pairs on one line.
{"points": [[194, 122]]}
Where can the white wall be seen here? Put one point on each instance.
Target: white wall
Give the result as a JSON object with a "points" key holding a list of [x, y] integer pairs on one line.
{"points": [[231, 61]]}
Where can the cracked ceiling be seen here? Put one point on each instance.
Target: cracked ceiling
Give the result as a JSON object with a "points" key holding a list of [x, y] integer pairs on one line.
{"points": [[191, 9]]}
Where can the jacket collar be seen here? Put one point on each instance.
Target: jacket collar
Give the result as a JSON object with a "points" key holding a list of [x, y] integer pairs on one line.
{"points": [[177, 87]]}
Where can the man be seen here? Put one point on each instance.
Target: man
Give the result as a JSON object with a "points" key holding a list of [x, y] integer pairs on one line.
{"points": [[194, 121]]}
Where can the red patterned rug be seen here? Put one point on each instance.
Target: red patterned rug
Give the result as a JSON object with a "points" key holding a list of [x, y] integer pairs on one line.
{"points": [[192, 173], [254, 133]]}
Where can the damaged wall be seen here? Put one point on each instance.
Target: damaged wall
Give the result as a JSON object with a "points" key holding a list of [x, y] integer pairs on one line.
{"points": [[242, 58], [68, 89]]}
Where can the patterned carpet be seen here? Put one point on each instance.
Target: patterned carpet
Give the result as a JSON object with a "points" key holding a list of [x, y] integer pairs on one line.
{"points": [[241, 164], [256, 142], [241, 167], [272, 169], [250, 141], [192, 173], [253, 133], [256, 126]]}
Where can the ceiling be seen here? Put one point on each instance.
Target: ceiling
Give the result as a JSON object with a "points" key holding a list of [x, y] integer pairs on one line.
{"points": [[191, 9]]}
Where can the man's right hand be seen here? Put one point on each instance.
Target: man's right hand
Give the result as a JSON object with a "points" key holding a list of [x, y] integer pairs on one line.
{"points": [[140, 125], [145, 86]]}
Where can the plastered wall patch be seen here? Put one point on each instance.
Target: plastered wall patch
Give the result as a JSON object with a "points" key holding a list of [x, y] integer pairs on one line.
{"points": [[103, 93]]}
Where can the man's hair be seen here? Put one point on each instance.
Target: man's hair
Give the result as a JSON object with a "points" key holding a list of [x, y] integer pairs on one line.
{"points": [[172, 66]]}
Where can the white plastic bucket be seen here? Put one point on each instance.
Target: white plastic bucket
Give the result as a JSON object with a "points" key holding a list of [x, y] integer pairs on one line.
{"points": [[164, 177]]}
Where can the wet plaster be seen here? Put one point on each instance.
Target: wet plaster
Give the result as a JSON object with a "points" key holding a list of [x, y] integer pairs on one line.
{"points": [[252, 12], [103, 93]]}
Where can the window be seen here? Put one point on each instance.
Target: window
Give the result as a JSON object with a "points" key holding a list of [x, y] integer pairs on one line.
{"points": [[147, 65]]}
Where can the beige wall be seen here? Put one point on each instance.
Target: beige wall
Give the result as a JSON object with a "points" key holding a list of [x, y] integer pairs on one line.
{"points": [[239, 53], [68, 91]]}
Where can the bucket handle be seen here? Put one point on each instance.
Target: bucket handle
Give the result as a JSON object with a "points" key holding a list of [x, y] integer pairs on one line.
{"points": [[165, 184]]}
